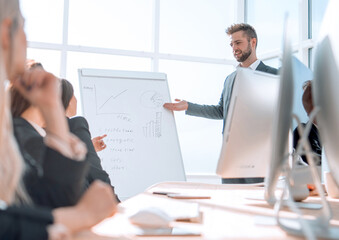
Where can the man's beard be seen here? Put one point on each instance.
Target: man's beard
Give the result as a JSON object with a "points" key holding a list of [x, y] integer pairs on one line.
{"points": [[245, 55]]}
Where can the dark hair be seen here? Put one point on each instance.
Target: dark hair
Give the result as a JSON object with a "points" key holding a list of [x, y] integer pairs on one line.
{"points": [[246, 28], [19, 104], [67, 92], [35, 65], [31, 65], [307, 97]]}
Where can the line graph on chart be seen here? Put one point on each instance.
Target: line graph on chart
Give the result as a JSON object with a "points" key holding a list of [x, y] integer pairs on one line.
{"points": [[110, 104]]}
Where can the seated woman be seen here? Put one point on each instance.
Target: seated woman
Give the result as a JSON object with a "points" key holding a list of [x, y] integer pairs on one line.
{"points": [[29, 124], [79, 126], [69, 102], [19, 218], [53, 180]]}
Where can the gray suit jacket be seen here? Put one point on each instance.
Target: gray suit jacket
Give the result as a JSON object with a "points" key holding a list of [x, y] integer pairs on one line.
{"points": [[220, 110]]}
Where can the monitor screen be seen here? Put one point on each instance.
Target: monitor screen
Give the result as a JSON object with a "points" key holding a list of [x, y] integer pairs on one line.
{"points": [[247, 137], [325, 91], [282, 123]]}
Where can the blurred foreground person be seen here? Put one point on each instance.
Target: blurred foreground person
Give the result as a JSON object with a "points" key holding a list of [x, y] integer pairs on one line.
{"points": [[19, 218]]}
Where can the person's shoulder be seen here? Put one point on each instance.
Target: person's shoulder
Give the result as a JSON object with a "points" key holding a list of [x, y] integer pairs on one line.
{"points": [[77, 121], [20, 124], [231, 76], [19, 121], [26, 135], [265, 68], [272, 70]]}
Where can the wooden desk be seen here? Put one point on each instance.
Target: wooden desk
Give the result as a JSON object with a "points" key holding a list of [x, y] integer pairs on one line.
{"points": [[229, 214]]}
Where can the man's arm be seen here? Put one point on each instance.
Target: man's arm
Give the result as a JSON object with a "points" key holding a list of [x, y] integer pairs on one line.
{"points": [[206, 111]]}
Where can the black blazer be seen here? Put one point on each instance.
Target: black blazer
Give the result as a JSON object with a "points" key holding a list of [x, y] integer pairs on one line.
{"points": [[313, 138], [79, 127], [51, 179], [264, 68], [24, 223]]}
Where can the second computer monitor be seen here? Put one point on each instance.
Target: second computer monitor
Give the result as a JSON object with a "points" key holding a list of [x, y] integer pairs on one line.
{"points": [[282, 123], [325, 92], [247, 138]]}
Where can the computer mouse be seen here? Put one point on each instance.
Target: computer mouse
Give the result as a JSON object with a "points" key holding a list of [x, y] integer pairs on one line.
{"points": [[151, 218]]}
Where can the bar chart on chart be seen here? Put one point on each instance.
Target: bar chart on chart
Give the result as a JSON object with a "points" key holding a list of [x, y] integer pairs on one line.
{"points": [[152, 129]]}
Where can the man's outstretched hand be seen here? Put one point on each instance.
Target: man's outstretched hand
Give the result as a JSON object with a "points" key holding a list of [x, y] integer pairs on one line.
{"points": [[179, 105]]}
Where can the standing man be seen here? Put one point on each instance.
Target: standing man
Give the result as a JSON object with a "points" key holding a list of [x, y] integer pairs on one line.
{"points": [[243, 40]]}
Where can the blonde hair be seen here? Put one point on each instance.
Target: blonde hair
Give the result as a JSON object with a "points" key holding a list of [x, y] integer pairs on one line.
{"points": [[11, 163]]}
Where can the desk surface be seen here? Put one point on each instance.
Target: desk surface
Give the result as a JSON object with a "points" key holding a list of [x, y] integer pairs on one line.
{"points": [[233, 212]]}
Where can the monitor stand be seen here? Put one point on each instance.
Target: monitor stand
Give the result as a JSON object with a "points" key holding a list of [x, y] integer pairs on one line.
{"points": [[293, 226], [311, 229]]}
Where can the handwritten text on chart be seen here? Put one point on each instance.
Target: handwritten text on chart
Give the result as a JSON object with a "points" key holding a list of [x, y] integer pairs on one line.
{"points": [[121, 150], [88, 88], [124, 117], [119, 140], [117, 130], [117, 168], [113, 164], [112, 160]]}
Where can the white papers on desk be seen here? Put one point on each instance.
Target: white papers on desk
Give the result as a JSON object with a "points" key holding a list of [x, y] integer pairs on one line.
{"points": [[176, 209]]}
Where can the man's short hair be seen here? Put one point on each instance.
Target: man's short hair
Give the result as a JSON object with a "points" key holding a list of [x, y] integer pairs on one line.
{"points": [[248, 30]]}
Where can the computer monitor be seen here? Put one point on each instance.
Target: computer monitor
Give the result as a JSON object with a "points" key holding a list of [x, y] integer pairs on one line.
{"points": [[247, 136], [325, 91], [282, 123]]}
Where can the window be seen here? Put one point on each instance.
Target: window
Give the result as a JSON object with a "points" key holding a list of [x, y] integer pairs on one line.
{"points": [[113, 24], [318, 9], [43, 20], [200, 139], [196, 27], [273, 62], [267, 17], [50, 59], [184, 38]]}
